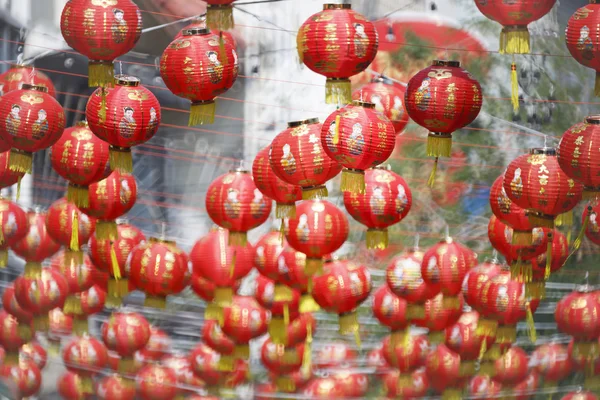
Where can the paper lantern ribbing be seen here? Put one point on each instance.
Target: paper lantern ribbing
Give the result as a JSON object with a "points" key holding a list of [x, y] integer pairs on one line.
{"points": [[17, 75], [155, 382], [387, 199], [126, 333], [406, 355], [337, 42], [243, 321], [33, 121], [438, 317], [266, 255], [582, 39], [79, 275], [284, 304], [14, 225], [391, 311], [37, 245], [101, 31], [510, 213], [85, 355], [199, 66], [577, 314], [475, 278], [445, 371], [388, 98], [512, 367], [69, 227], [442, 98], [115, 387], [70, 386]]}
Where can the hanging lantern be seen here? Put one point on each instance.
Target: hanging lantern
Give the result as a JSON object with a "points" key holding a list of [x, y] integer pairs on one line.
{"points": [[266, 255], [388, 98], [543, 265], [70, 386], [8, 177], [443, 368], [302, 329], [205, 364], [282, 361], [298, 157], [552, 361], [354, 384], [12, 307], [234, 202], [34, 121], [157, 268], [115, 387], [324, 388], [79, 278], [442, 98], [523, 389], [213, 336], [462, 338], [181, 365], [92, 302], [581, 40], [292, 267], [283, 304], [37, 245], [199, 66], [415, 387], [85, 355], [406, 355], [512, 367], [243, 321], [438, 317], [386, 201], [284, 194], [357, 137], [59, 326], [13, 335], [219, 15], [126, 333], [158, 346], [33, 351], [155, 382], [391, 311], [110, 199], [536, 183], [510, 214], [474, 280], [25, 375], [70, 228], [334, 355], [124, 116], [354, 44], [483, 386], [320, 228], [18, 75], [102, 31], [80, 157], [14, 225]]}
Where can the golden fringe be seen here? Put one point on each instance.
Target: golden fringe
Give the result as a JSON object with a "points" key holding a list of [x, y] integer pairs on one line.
{"points": [[535, 290], [564, 219], [548, 269], [514, 87], [506, 334], [436, 337], [353, 181], [486, 327], [106, 230], [308, 304], [202, 113], [33, 270], [238, 238], [113, 302], [313, 266], [214, 312], [586, 221], [25, 332], [377, 239], [80, 326], [74, 244], [514, 41], [348, 324], [531, 325], [278, 330], [336, 135], [120, 159], [101, 73], [439, 145], [522, 238], [41, 323], [521, 271], [283, 293], [488, 368], [73, 257], [315, 192], [451, 302], [415, 311], [452, 394], [118, 288], [338, 91], [3, 258], [226, 363], [11, 358], [397, 337], [482, 349], [431, 180], [307, 356], [242, 351], [283, 210], [285, 384], [20, 161], [79, 195], [114, 263], [73, 305], [126, 365], [223, 296], [155, 302], [541, 221], [219, 17]]}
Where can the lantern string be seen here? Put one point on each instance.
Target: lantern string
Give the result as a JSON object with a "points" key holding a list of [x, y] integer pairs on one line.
{"points": [[162, 26]]}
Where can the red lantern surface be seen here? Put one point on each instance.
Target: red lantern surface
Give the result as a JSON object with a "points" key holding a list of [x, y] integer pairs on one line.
{"points": [[13, 336], [11, 306], [356, 44], [126, 333], [475, 279], [301, 329], [155, 382], [8, 177], [581, 40], [386, 201], [85, 354], [510, 214], [158, 345], [267, 253], [92, 300], [281, 361], [101, 31], [298, 158], [376, 360], [14, 225], [284, 304], [484, 387], [358, 138], [577, 314], [234, 202], [512, 367], [158, 268], [442, 98], [199, 66], [324, 388], [34, 121], [388, 98], [182, 367], [580, 395], [354, 384], [333, 355], [33, 351], [124, 116], [443, 368], [243, 321], [213, 336], [535, 182], [114, 387], [320, 228], [438, 316], [70, 386], [61, 218], [284, 194], [414, 387], [38, 244], [18, 75], [390, 310], [552, 361], [79, 276], [462, 338], [110, 199], [59, 324], [406, 355], [25, 375], [292, 265], [592, 231]]}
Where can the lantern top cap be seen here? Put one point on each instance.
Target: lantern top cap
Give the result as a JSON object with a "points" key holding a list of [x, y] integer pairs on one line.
{"points": [[38, 88], [593, 119], [364, 104], [83, 123], [445, 63], [309, 121], [549, 151], [126, 80], [195, 31], [337, 6]]}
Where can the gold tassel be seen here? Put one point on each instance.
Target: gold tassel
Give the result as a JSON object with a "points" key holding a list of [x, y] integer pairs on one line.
{"points": [[73, 257], [506, 334], [308, 304], [283, 293], [565, 219], [116, 270], [33, 270], [120, 159], [155, 302], [548, 257], [278, 330], [597, 85], [439, 145], [101, 73], [285, 384], [452, 394], [80, 326], [285, 211], [348, 324], [72, 305], [222, 53], [531, 325], [3, 258], [286, 315], [436, 337], [514, 40], [307, 356], [313, 266], [569, 237], [483, 348], [126, 365], [514, 85], [586, 221], [41, 323], [336, 136], [220, 17], [314, 192], [232, 264], [20, 161], [225, 363], [74, 245], [238, 239], [106, 230], [202, 112], [415, 311], [522, 238], [535, 290], [19, 188], [223, 296], [214, 312], [377, 239], [431, 180], [486, 327], [242, 351], [451, 302], [353, 181], [338, 91], [103, 109], [11, 358]]}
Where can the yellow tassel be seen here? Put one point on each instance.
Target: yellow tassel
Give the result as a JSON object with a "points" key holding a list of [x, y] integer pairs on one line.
{"points": [[220, 17], [72, 305], [238, 239], [451, 302], [101, 73], [586, 221], [155, 302], [431, 180], [116, 270], [308, 304], [348, 324], [222, 54], [120, 159], [202, 112], [20, 161], [313, 266], [78, 195], [336, 136], [223, 296], [353, 181], [377, 239], [514, 85], [522, 238], [486, 327], [301, 46], [436, 337], [514, 40], [285, 211], [315, 192], [307, 356], [232, 264], [74, 245], [226, 363], [286, 315], [106, 230], [33, 270], [102, 111], [548, 257], [541, 220], [19, 188], [3, 258], [569, 237], [278, 330], [597, 85], [338, 91], [285, 384], [531, 325], [565, 219], [439, 145], [80, 326], [214, 312], [283, 293], [482, 349]]}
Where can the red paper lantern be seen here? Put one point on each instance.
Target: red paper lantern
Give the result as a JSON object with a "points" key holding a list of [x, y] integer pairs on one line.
{"points": [[61, 218], [110, 199], [243, 321], [33, 351], [114, 387], [484, 387], [124, 116], [158, 268], [414, 386], [25, 375], [581, 40], [155, 382], [324, 388], [59, 325], [80, 157], [92, 300], [476, 278], [284, 194], [443, 368], [298, 157], [281, 361], [301, 329], [512, 367], [126, 333], [391, 310], [354, 45], [577, 314], [386, 201], [354, 384], [12, 306], [8, 177], [536, 182], [442, 98], [18, 75], [37, 245], [70, 387], [579, 395], [33, 121], [234, 202], [438, 316], [14, 225], [462, 338], [205, 363], [213, 336], [510, 214], [79, 277], [388, 98], [292, 265], [267, 253], [333, 355], [199, 66], [542, 267], [358, 138], [320, 228], [284, 304], [552, 362], [84, 356], [524, 389], [101, 31], [182, 367], [406, 355], [13, 335]]}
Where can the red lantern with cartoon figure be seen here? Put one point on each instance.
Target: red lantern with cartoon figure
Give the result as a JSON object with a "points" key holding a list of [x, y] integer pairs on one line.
{"points": [[14, 226], [85, 356], [13, 335], [439, 316], [219, 14], [35, 352], [282, 361], [510, 214], [582, 39], [388, 98], [18, 75], [475, 278], [12, 306], [79, 277], [462, 338], [391, 311], [552, 361], [577, 314], [512, 367]]}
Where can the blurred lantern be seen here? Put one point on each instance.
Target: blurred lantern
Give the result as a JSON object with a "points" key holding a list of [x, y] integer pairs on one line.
{"points": [[70, 387], [542, 268], [13, 335], [85, 356], [158, 268], [158, 345], [462, 339], [284, 194], [37, 245], [301, 329], [354, 384], [524, 390], [60, 325], [34, 121], [391, 311], [18, 75], [552, 361], [14, 225], [512, 367], [333, 355], [25, 375], [298, 157], [181, 365], [199, 66], [101, 31], [70, 228], [283, 304], [205, 363], [219, 14], [213, 336], [581, 40], [33, 351], [267, 253], [579, 395], [301, 378], [110, 199], [442, 98], [388, 98], [438, 316], [320, 228], [205, 289], [324, 388], [111, 256], [358, 138], [510, 214], [92, 302], [234, 202], [282, 361], [126, 333], [445, 372], [243, 321], [123, 116], [341, 289], [475, 278], [386, 201], [262, 391], [114, 387], [80, 157], [79, 277], [8, 177], [484, 387], [356, 44], [413, 387], [12, 306], [155, 382], [406, 356], [292, 265]]}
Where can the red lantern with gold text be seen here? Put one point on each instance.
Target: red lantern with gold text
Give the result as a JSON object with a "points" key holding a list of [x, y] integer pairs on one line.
{"points": [[14, 225], [354, 384], [34, 121], [243, 321], [483, 386], [462, 338], [37, 245], [284, 306], [438, 316], [157, 347], [581, 40], [115, 387], [320, 228], [442, 98], [445, 372], [70, 387], [13, 335], [510, 214], [84, 356], [199, 66], [213, 336], [12, 306], [391, 311], [266, 255], [205, 364], [79, 277], [406, 355], [101, 31], [126, 333], [69, 227], [324, 388], [25, 375], [358, 138], [59, 325], [181, 365], [155, 382], [282, 361], [234, 202], [35, 352], [356, 44], [414, 386], [474, 280], [17, 75], [387, 199], [158, 268], [552, 361], [298, 158], [334, 354], [512, 367], [92, 302], [388, 98], [292, 265]]}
